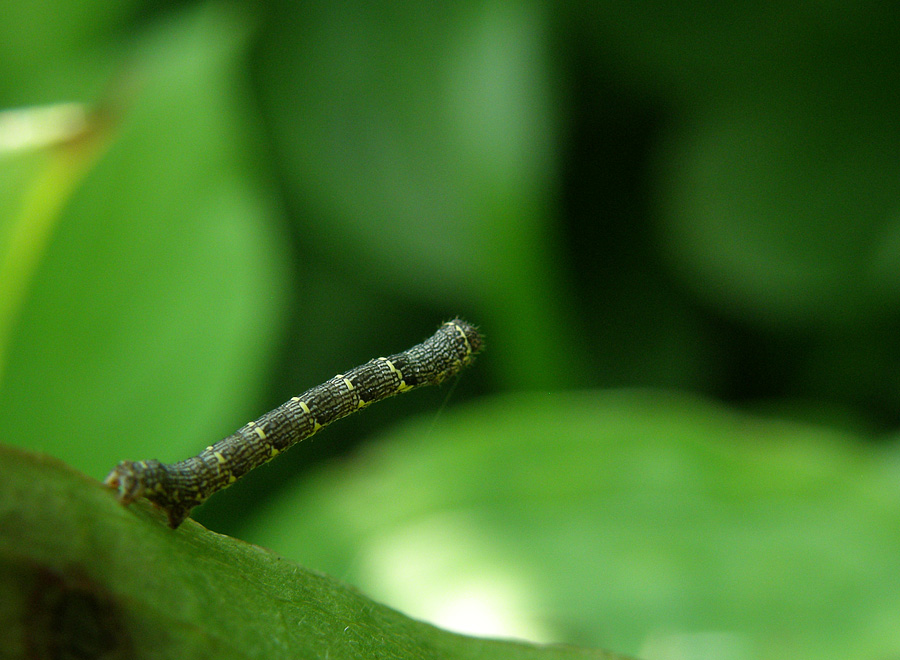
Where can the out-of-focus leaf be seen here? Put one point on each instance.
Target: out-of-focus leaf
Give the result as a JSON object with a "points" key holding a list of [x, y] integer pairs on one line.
{"points": [[783, 221], [81, 576], [636, 521], [41, 37], [421, 139], [702, 51], [161, 291]]}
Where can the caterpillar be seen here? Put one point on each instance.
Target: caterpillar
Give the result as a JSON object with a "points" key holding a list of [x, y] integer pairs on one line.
{"points": [[179, 487]]}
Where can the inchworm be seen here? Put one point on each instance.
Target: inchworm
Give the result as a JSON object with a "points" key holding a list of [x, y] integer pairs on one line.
{"points": [[179, 487]]}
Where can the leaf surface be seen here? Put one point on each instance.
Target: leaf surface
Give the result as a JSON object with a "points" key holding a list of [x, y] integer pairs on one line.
{"points": [[81, 574]]}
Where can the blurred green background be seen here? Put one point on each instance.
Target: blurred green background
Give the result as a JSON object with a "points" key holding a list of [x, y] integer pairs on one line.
{"points": [[677, 224]]}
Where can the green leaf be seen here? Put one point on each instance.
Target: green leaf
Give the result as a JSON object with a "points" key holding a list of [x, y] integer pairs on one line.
{"points": [[759, 202], [421, 139], [644, 522], [82, 576], [154, 303]]}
